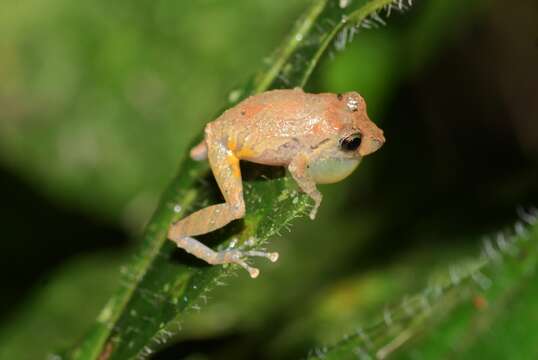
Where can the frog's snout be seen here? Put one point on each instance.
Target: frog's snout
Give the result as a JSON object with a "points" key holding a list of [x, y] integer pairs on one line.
{"points": [[371, 144]]}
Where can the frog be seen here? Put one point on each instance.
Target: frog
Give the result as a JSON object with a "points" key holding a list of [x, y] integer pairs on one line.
{"points": [[319, 137]]}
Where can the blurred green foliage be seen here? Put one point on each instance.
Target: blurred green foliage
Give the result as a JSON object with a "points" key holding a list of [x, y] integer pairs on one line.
{"points": [[57, 315], [99, 102], [85, 84]]}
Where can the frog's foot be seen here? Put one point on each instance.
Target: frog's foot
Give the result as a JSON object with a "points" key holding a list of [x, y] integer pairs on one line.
{"points": [[228, 256], [233, 256]]}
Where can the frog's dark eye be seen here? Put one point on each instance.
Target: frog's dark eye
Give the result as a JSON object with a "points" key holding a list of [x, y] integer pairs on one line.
{"points": [[351, 143]]}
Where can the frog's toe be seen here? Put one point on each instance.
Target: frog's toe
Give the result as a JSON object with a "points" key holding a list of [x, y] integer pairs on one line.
{"points": [[199, 152]]}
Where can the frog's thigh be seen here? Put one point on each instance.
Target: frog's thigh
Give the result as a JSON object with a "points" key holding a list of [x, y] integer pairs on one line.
{"points": [[225, 167]]}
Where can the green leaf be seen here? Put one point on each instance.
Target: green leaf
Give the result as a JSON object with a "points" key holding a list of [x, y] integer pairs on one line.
{"points": [[479, 308], [160, 287]]}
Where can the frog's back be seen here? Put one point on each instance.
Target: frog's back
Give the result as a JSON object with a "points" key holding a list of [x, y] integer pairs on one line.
{"points": [[275, 113]]}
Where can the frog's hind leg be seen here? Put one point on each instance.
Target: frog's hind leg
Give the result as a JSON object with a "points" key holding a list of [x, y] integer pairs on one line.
{"points": [[225, 167]]}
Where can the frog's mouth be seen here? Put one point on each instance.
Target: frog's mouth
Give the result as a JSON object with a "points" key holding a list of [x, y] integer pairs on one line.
{"points": [[331, 170]]}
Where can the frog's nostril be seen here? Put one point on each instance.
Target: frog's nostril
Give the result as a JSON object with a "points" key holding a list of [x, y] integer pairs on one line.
{"points": [[377, 143]]}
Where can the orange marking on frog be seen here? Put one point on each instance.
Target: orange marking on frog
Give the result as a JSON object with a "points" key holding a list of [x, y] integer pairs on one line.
{"points": [[234, 163], [317, 129], [245, 153], [232, 144], [250, 109]]}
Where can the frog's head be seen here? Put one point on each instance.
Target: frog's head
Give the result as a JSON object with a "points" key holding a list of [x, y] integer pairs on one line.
{"points": [[339, 156], [363, 135]]}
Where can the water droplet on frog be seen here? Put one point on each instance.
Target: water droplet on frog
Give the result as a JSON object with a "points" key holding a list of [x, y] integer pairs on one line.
{"points": [[177, 208]]}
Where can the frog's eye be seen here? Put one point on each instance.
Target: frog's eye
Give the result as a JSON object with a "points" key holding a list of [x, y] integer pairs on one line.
{"points": [[351, 143]]}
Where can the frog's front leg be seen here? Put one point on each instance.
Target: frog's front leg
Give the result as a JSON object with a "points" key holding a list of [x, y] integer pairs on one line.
{"points": [[298, 170], [225, 167]]}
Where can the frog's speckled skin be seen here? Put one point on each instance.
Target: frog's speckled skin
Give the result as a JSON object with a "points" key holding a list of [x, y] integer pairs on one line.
{"points": [[304, 132]]}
